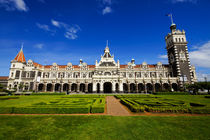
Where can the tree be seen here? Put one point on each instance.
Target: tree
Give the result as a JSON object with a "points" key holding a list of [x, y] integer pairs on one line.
{"points": [[21, 86]]}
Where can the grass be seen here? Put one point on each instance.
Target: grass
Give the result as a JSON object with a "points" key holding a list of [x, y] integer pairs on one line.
{"points": [[52, 104], [104, 127], [167, 103]]}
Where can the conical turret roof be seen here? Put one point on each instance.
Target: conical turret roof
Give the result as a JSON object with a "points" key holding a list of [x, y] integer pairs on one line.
{"points": [[20, 57]]}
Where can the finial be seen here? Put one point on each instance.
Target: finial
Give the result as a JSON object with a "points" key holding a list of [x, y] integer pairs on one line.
{"points": [[107, 43]]}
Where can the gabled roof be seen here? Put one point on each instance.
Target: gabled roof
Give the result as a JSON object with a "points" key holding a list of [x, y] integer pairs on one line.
{"points": [[20, 57]]}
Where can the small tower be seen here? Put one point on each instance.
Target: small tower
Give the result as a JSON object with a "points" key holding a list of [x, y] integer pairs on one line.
{"points": [[178, 56], [17, 65]]}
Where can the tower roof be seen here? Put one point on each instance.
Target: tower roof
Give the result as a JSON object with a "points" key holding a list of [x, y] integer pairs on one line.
{"points": [[20, 56]]}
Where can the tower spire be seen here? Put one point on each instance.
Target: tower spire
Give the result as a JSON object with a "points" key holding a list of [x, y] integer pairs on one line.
{"points": [[22, 46], [107, 43], [20, 56]]}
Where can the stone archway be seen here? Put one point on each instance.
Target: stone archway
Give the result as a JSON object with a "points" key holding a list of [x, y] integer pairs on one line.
{"points": [[108, 87], [98, 88], [125, 88], [74, 87], [175, 87], [117, 87], [166, 87], [49, 87], [141, 87], [57, 87], [157, 87], [82, 87], [132, 88], [149, 87], [90, 88], [41, 87], [65, 87]]}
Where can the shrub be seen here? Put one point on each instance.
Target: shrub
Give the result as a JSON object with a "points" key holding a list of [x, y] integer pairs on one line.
{"points": [[48, 93], [171, 93]]}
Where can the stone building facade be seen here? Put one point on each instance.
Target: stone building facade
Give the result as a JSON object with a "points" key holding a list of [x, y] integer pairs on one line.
{"points": [[107, 75]]}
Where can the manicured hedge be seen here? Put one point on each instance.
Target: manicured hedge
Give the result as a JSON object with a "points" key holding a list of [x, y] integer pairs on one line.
{"points": [[132, 106], [98, 106], [160, 104], [171, 93], [62, 93], [30, 110]]}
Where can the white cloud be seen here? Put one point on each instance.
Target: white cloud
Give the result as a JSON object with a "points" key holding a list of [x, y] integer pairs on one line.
{"points": [[55, 23], [39, 46], [163, 56], [201, 77], [109, 2], [70, 31], [11, 5], [106, 10], [46, 28], [43, 26], [201, 56], [182, 1]]}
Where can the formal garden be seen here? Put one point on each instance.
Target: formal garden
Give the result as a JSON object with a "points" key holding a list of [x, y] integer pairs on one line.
{"points": [[196, 104], [52, 104]]}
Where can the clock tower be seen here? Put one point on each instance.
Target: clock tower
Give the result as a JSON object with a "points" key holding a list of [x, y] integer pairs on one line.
{"points": [[178, 56]]}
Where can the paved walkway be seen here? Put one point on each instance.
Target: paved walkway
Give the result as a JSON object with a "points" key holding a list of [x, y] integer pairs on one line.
{"points": [[115, 108]]}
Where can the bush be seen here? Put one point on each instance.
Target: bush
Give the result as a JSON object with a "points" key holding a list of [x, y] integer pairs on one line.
{"points": [[31, 110], [171, 93], [48, 93]]}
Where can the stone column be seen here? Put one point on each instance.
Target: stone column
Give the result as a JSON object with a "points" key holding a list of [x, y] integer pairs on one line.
{"points": [[86, 87], [129, 90], [170, 86], [153, 87], [101, 88], [145, 87], [61, 87], [45, 87], [121, 87], [137, 88], [78, 87], [53, 87], [69, 87], [94, 88]]}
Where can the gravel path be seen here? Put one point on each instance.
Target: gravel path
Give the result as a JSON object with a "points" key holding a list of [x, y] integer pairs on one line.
{"points": [[115, 108]]}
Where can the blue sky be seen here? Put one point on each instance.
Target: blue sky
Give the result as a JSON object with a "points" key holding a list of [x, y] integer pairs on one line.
{"points": [[65, 31]]}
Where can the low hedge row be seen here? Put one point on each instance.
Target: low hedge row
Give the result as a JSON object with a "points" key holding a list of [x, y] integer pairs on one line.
{"points": [[182, 108], [171, 93], [29, 110], [98, 106], [62, 93], [132, 106]]}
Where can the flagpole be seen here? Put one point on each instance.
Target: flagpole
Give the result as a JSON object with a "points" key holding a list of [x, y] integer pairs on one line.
{"points": [[172, 19]]}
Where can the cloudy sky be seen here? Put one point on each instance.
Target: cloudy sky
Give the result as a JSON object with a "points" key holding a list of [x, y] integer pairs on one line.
{"points": [[65, 31]]}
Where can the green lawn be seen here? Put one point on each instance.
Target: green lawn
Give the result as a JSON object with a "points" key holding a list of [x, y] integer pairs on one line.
{"points": [[167, 103], [104, 127], [52, 104]]}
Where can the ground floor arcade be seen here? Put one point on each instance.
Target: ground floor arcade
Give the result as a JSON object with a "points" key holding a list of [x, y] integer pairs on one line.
{"points": [[106, 87]]}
